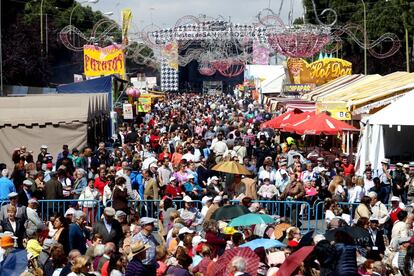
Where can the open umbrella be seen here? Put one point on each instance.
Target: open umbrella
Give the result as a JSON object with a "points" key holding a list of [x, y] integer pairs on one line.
{"points": [[280, 229], [231, 167], [15, 263], [275, 122], [359, 234], [319, 124], [229, 212], [223, 265], [250, 219], [266, 243], [294, 260]]}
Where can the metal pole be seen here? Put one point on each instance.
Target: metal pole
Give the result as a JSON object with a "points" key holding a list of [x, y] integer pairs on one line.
{"points": [[407, 50], [41, 26], [47, 36], [365, 38], [70, 19]]}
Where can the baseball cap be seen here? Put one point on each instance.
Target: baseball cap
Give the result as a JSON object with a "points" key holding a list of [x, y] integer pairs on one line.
{"points": [[206, 199], [109, 211], [12, 194], [395, 198], [385, 161], [27, 183], [185, 230], [187, 199], [217, 199], [33, 200], [172, 178], [372, 194]]}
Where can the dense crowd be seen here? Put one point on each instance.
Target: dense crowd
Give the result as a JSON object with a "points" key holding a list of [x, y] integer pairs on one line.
{"points": [[159, 196]]}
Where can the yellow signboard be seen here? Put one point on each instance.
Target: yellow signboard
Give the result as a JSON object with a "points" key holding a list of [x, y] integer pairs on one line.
{"points": [[144, 104], [337, 110], [317, 72], [99, 61]]}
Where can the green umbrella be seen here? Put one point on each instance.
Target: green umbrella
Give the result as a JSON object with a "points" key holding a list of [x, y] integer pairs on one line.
{"points": [[250, 219], [229, 212]]}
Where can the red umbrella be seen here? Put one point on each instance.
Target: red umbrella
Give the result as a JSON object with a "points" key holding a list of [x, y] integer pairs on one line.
{"points": [[275, 122], [296, 118], [319, 124], [223, 265], [292, 262]]}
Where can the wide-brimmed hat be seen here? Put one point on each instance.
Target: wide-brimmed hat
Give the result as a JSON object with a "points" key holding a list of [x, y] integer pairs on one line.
{"points": [[138, 247], [12, 194]]}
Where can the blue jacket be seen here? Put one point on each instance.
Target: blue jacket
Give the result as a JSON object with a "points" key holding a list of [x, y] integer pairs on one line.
{"points": [[6, 187], [346, 264], [136, 183], [135, 267], [77, 238]]}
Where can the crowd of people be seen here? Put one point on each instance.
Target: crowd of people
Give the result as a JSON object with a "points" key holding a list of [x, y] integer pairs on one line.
{"points": [[158, 193]]}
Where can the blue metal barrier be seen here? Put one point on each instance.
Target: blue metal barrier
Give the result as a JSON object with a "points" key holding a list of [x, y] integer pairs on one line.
{"points": [[298, 213], [320, 225], [151, 208], [48, 207]]}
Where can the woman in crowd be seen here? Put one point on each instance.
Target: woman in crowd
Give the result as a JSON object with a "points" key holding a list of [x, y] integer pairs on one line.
{"points": [[89, 200], [62, 232], [336, 189]]}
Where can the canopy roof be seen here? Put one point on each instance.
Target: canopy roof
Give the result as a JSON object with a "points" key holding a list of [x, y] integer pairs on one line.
{"points": [[97, 85], [52, 109], [397, 113]]}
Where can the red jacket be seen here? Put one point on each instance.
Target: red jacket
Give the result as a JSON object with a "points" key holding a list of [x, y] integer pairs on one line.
{"points": [[215, 242], [348, 170], [100, 185], [173, 192]]}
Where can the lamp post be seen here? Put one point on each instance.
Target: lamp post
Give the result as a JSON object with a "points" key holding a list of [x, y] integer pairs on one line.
{"points": [[365, 38], [41, 27]]}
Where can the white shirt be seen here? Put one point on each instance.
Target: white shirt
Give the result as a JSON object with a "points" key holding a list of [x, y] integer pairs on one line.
{"points": [[13, 225], [368, 184], [188, 156], [219, 148], [355, 194], [107, 226], [329, 216]]}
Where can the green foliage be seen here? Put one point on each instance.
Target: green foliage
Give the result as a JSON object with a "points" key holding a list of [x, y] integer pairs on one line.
{"points": [[382, 16]]}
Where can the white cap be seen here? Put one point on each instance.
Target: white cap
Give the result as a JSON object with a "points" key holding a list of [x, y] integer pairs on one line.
{"points": [[185, 230], [372, 194], [368, 163], [27, 183], [172, 178], [385, 161], [395, 198], [187, 199], [197, 240], [217, 199], [69, 212], [191, 176], [33, 200], [214, 178], [206, 199], [153, 165], [12, 194], [43, 146]]}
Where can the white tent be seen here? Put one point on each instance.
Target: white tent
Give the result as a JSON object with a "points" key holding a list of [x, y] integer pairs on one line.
{"points": [[388, 133]]}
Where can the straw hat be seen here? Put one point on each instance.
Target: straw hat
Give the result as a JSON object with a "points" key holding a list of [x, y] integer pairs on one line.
{"points": [[137, 247]]}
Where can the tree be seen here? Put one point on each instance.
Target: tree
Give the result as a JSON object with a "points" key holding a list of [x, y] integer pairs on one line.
{"points": [[382, 17]]}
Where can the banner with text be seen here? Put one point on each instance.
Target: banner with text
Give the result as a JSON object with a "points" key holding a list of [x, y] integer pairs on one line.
{"points": [[99, 61], [317, 72]]}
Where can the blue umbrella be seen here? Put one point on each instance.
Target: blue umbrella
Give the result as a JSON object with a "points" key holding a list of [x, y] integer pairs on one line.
{"points": [[15, 263], [266, 243]]}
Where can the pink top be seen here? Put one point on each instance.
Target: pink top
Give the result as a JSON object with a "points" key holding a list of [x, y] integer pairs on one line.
{"points": [[311, 191]]}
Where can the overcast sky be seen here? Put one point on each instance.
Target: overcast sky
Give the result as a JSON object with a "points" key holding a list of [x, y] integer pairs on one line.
{"points": [[165, 13]]}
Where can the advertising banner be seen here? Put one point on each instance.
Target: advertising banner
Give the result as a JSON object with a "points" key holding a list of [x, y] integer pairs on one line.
{"points": [[298, 88], [127, 111], [317, 72], [337, 110], [99, 61], [144, 104]]}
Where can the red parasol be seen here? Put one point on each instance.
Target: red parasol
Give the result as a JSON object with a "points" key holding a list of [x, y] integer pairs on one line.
{"points": [[223, 265], [281, 119], [319, 124], [292, 262], [296, 118]]}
